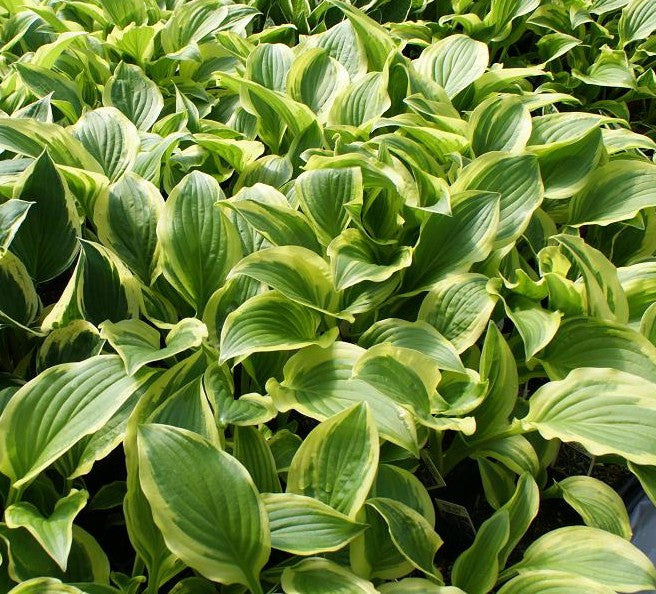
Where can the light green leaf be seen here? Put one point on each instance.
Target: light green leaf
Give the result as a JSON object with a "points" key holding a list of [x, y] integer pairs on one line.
{"points": [[271, 322], [355, 258], [138, 344], [376, 40], [268, 65], [615, 192], [124, 12], [44, 585], [336, 463], [597, 503], [199, 245], [591, 553], [410, 532], [605, 295], [459, 308], [249, 409], [110, 138], [418, 586], [55, 532], [553, 581], [598, 408], [270, 214], [638, 21], [362, 101], [537, 326], [296, 272], [251, 448], [404, 375], [315, 79], [324, 194], [49, 414], [19, 302], [46, 242], [30, 137], [344, 45], [500, 123], [130, 91], [44, 81], [126, 216], [590, 342], [476, 570], [516, 179], [190, 23], [76, 341], [454, 62], [418, 336], [610, 69], [219, 527], [237, 153], [450, 244], [304, 526], [12, 216], [318, 383], [321, 576]]}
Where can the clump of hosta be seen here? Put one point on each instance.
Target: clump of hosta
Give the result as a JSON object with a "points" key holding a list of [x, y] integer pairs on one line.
{"points": [[267, 268]]}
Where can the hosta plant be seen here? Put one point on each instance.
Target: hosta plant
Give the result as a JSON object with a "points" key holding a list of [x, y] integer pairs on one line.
{"points": [[279, 278]]}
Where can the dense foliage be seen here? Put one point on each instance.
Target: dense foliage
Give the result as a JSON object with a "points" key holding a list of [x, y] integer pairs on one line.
{"points": [[270, 272]]}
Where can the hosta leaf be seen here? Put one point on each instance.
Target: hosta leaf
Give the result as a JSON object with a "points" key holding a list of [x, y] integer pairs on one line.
{"points": [[537, 326], [130, 91], [323, 195], [403, 375], [355, 258], [516, 179], [459, 308], [476, 570], [296, 272], [553, 581], [19, 302], [411, 533], [598, 408], [268, 65], [605, 295], [315, 79], [452, 244], [55, 532], [317, 383], [46, 242], [610, 69], [418, 336], [76, 341], [615, 192], [29, 137], [249, 409], [638, 21], [252, 450], [304, 526], [362, 101], [43, 81], [237, 153], [220, 526], [44, 586], [193, 21], [126, 216], [589, 342], [138, 344], [499, 368], [454, 62], [124, 12], [199, 245], [53, 411], [12, 215], [271, 322], [591, 553], [500, 123], [321, 576], [597, 503], [416, 585], [336, 463], [377, 42], [269, 213], [110, 138], [344, 45]]}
